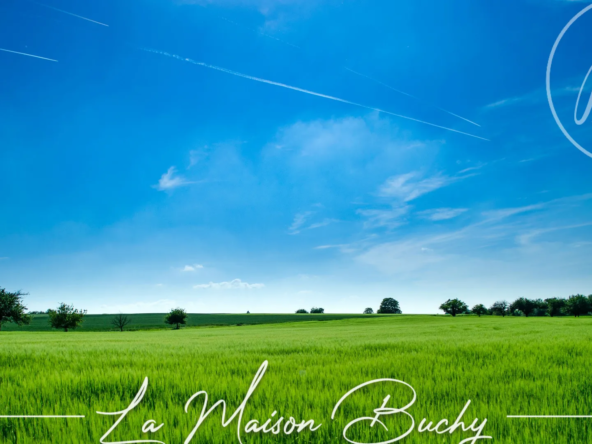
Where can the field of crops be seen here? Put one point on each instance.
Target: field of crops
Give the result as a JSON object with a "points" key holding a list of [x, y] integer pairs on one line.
{"points": [[505, 366], [151, 321]]}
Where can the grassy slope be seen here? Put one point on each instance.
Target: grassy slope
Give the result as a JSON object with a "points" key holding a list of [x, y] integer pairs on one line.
{"points": [[149, 321], [504, 366]]}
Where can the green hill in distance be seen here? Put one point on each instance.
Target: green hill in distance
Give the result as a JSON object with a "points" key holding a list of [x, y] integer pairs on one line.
{"points": [[155, 321]]}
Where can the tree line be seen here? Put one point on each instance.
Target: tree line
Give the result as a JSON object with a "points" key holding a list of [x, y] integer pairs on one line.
{"points": [[66, 317], [576, 305]]}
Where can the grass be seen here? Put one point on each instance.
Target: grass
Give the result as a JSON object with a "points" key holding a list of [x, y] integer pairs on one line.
{"points": [[505, 366], [152, 321]]}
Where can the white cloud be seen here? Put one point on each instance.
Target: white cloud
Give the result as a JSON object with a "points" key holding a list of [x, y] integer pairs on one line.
{"points": [[192, 268], [508, 212], [170, 180], [441, 213], [410, 186], [391, 218], [299, 220], [235, 284]]}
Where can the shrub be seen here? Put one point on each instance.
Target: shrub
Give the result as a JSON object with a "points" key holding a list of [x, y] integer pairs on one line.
{"points": [[368, 311], [317, 310], [301, 311]]}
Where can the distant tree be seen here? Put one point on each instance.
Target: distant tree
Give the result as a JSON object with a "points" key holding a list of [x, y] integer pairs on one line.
{"points": [[176, 316], [120, 321], [38, 312], [500, 308], [454, 307], [555, 306], [389, 306], [526, 306], [368, 311], [66, 317], [317, 310], [301, 310], [577, 305], [541, 308], [479, 310], [12, 308], [248, 312]]}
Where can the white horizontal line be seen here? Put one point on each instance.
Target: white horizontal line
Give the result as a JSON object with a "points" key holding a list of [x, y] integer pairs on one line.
{"points": [[549, 416], [41, 416]]}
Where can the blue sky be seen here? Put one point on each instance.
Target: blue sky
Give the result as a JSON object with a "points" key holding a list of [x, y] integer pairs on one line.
{"points": [[137, 181]]}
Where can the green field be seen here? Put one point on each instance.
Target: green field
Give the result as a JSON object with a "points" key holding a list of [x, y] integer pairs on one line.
{"points": [[151, 321], [505, 366]]}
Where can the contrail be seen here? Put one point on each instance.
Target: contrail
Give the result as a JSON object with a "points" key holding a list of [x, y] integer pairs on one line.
{"points": [[69, 13], [29, 55], [409, 95], [348, 69], [294, 88]]}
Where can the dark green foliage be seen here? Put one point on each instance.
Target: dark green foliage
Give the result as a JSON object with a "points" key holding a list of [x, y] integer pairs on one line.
{"points": [[577, 305], [317, 310], [301, 311], [176, 316], [120, 321], [389, 306], [500, 308], [555, 306], [368, 311], [66, 317], [12, 308], [454, 307], [479, 310], [524, 305]]}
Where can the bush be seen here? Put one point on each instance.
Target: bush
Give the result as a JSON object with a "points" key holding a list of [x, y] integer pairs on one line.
{"points": [[389, 306], [316, 310], [301, 311], [368, 311]]}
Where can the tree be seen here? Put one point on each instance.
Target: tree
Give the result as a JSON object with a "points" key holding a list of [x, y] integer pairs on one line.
{"points": [[389, 306], [12, 308], [500, 308], [526, 306], [454, 307], [368, 311], [479, 310], [577, 305], [301, 310], [66, 317], [317, 310], [177, 316], [556, 306], [120, 321]]}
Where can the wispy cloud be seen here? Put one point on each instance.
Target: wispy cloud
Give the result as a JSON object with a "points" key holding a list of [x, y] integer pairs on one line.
{"points": [[171, 180], [299, 220], [305, 91], [235, 284], [442, 213], [28, 55], [191, 268], [503, 213], [410, 186], [389, 218]]}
